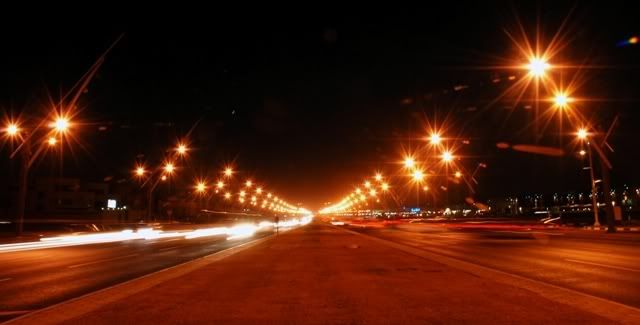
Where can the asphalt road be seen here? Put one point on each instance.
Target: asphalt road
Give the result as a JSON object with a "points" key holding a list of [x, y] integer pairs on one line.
{"points": [[35, 279], [599, 264]]}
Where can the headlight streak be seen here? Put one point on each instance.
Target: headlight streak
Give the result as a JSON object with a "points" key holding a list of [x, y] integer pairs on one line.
{"points": [[239, 231]]}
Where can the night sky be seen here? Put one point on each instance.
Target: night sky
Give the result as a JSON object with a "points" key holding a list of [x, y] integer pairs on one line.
{"points": [[313, 101]]}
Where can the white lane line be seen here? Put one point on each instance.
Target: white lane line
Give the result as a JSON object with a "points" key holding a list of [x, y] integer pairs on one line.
{"points": [[102, 261], [5, 279], [603, 265]]}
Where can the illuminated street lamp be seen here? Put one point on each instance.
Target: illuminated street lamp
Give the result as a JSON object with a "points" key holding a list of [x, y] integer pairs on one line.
{"points": [[60, 125], [201, 187], [447, 156], [425, 188], [582, 134], [537, 67], [227, 196], [140, 171], [409, 162], [378, 177], [458, 174], [182, 149], [248, 183], [367, 184], [220, 184], [259, 190], [418, 175], [228, 172], [373, 193], [435, 139], [52, 141], [582, 152], [12, 129], [384, 187], [561, 100], [169, 168]]}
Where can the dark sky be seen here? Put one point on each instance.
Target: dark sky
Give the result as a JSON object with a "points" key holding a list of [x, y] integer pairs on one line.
{"points": [[312, 101]]}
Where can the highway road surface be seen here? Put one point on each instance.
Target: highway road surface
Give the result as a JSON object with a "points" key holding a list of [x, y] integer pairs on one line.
{"points": [[599, 264]]}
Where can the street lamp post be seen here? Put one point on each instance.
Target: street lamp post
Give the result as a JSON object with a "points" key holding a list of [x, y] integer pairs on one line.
{"points": [[60, 125], [27, 158], [583, 135], [594, 200]]}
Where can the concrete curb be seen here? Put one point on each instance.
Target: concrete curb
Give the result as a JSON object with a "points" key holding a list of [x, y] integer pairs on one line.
{"points": [[79, 306], [612, 310]]}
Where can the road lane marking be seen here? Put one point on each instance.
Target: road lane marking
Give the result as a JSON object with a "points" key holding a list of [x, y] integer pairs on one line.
{"points": [[5, 279], [102, 261], [603, 265]]}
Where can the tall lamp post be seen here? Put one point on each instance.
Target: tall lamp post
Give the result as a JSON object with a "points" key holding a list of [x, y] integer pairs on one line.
{"points": [[583, 135]]}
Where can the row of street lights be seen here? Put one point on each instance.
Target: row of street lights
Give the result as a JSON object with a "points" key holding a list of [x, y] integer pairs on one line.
{"points": [[248, 192]]}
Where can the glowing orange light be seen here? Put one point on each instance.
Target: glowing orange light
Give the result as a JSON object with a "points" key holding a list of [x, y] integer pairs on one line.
{"points": [[378, 177], [220, 184], [169, 168], [242, 193], [385, 186], [12, 129], [561, 100], [418, 175], [537, 66], [435, 139], [201, 187], [61, 124], [409, 162], [425, 188], [582, 134], [373, 193], [447, 156], [227, 196], [458, 174], [248, 183], [582, 152], [228, 171], [140, 171], [259, 190], [163, 178], [52, 141], [367, 184], [182, 149]]}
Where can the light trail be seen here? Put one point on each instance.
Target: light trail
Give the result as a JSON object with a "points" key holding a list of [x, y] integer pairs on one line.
{"points": [[238, 231]]}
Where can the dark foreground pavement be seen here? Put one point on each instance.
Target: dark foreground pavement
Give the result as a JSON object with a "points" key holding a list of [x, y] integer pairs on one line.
{"points": [[322, 274]]}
